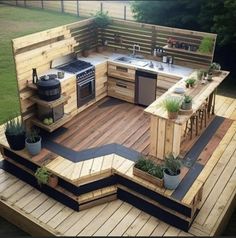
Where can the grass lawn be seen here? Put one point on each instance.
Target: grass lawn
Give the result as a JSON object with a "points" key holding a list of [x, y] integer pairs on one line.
{"points": [[16, 22]]}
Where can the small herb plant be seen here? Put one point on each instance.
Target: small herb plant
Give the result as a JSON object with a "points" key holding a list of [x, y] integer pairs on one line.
{"points": [[190, 81], [187, 99], [150, 167], [206, 45], [33, 136], [172, 165], [171, 104], [42, 175], [14, 126], [214, 66]]}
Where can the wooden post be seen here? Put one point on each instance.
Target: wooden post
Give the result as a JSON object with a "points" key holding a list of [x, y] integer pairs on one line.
{"points": [[124, 12], [24, 3], [16, 2], [77, 7], [153, 43], [62, 6], [42, 4], [101, 6]]}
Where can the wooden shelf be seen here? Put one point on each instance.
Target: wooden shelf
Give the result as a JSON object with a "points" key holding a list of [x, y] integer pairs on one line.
{"points": [[54, 125], [32, 86], [50, 104], [186, 51]]}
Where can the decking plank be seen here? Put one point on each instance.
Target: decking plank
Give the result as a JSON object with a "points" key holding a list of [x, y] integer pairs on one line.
{"points": [[137, 225], [116, 217], [105, 214]]}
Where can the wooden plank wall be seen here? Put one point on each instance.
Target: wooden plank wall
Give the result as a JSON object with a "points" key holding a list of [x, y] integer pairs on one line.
{"points": [[151, 36], [37, 51]]}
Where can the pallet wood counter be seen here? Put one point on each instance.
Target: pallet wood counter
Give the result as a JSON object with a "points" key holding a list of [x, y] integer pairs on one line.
{"points": [[166, 134]]}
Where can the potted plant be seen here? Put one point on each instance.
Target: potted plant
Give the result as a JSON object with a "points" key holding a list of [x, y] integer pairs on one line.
{"points": [[33, 142], [170, 42], [190, 82], [43, 176], [187, 103], [172, 169], [85, 50], [172, 105], [101, 20], [15, 133], [215, 68], [148, 170]]}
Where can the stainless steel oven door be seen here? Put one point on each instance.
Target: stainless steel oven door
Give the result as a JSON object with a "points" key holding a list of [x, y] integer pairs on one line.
{"points": [[85, 91]]}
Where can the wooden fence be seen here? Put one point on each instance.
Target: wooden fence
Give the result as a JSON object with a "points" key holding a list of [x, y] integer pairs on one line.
{"points": [[116, 9]]}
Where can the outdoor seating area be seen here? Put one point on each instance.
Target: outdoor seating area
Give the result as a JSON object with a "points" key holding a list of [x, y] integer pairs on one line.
{"points": [[121, 141]]}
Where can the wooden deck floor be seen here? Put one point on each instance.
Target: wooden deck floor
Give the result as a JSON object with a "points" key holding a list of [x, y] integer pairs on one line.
{"points": [[109, 121], [37, 213]]}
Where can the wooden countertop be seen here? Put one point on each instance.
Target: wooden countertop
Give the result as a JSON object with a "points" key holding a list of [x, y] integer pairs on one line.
{"points": [[199, 93]]}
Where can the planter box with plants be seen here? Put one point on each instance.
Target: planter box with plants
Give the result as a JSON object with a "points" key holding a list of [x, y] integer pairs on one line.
{"points": [[43, 176], [33, 142], [172, 169], [148, 170], [172, 106], [15, 133], [167, 174]]}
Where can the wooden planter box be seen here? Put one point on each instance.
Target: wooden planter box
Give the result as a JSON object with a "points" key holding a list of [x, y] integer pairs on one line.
{"points": [[146, 176]]}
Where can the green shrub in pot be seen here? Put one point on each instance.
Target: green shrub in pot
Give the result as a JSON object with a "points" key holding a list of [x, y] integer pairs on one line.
{"points": [[33, 142], [172, 105], [172, 169], [187, 103], [101, 20], [15, 133]]}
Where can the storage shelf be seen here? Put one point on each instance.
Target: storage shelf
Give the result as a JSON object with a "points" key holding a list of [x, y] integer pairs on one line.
{"points": [[54, 125], [186, 51], [50, 104]]}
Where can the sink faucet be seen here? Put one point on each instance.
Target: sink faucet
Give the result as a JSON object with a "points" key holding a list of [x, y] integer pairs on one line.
{"points": [[135, 47]]}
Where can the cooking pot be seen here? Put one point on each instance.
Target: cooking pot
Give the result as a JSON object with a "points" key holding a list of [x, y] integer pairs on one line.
{"points": [[48, 89]]}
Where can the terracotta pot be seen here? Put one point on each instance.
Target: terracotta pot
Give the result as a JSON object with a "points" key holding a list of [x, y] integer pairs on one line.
{"points": [[172, 115], [53, 181], [187, 85]]}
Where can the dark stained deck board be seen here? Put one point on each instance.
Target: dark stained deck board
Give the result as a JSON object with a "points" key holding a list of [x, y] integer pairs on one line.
{"points": [[110, 121]]}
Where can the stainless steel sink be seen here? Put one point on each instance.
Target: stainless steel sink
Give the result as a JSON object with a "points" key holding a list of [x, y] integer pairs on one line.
{"points": [[132, 60]]}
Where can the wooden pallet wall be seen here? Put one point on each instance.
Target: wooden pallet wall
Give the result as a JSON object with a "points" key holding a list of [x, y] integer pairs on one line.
{"points": [[37, 51], [151, 36]]}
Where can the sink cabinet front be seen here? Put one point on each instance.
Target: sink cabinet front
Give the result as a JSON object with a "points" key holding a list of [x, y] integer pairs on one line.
{"points": [[121, 89], [121, 71]]}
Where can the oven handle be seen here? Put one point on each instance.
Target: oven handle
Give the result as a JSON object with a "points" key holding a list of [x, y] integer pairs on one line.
{"points": [[86, 81]]}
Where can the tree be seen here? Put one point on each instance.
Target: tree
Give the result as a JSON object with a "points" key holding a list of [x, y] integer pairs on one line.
{"points": [[217, 16]]}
